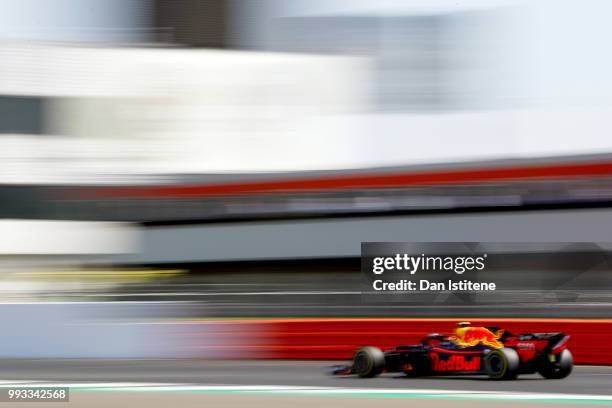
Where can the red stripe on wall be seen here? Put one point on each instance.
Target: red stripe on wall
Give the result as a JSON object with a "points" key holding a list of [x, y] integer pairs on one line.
{"points": [[345, 182]]}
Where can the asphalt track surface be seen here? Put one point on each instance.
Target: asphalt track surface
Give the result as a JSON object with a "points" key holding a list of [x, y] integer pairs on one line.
{"points": [[584, 380]]}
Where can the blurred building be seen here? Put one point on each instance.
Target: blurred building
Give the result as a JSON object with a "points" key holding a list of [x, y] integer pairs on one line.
{"points": [[421, 83], [209, 93]]}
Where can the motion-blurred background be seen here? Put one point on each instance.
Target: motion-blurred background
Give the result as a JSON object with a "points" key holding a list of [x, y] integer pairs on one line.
{"points": [[165, 163]]}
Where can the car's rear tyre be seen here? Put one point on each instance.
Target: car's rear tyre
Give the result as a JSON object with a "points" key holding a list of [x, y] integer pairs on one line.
{"points": [[368, 362], [560, 368], [502, 364]]}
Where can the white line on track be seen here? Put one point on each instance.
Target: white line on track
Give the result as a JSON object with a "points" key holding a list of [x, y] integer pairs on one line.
{"points": [[303, 390]]}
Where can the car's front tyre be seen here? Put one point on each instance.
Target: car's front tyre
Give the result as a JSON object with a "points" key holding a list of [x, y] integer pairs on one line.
{"points": [[368, 362]]}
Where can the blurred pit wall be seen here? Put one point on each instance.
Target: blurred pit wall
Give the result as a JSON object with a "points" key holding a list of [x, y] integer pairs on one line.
{"points": [[117, 330], [94, 331]]}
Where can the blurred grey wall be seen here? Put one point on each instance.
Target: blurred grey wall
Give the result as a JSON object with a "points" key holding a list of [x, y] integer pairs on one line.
{"points": [[342, 237], [83, 330]]}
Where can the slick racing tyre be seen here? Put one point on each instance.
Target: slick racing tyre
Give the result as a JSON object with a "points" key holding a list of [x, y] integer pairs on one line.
{"points": [[368, 362], [502, 364], [560, 368]]}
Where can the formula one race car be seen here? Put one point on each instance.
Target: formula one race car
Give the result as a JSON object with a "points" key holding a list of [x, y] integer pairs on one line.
{"points": [[472, 350]]}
